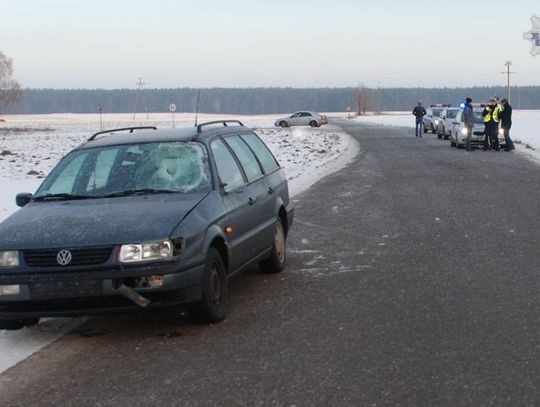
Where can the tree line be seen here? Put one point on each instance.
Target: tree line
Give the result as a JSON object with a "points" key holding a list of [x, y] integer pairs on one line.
{"points": [[256, 100]]}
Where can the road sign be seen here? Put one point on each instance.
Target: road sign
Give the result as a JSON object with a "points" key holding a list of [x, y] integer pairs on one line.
{"points": [[172, 107]]}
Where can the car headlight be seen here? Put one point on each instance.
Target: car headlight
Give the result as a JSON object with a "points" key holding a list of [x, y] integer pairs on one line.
{"points": [[464, 131], [501, 132], [130, 253], [436, 122], [9, 258]]}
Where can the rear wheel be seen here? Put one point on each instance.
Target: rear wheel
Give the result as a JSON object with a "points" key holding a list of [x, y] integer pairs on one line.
{"points": [[313, 123], [213, 305], [276, 262]]}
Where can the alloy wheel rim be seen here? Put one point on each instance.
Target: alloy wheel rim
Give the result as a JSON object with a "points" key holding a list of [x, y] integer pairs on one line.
{"points": [[279, 243], [215, 285]]}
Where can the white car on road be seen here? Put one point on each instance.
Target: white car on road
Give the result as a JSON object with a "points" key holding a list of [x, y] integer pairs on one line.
{"points": [[304, 118]]}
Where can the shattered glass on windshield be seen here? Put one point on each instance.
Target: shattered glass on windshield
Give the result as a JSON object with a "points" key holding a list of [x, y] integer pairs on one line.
{"points": [[136, 168]]}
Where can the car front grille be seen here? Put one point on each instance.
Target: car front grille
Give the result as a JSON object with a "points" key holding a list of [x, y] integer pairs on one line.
{"points": [[478, 133], [86, 256]]}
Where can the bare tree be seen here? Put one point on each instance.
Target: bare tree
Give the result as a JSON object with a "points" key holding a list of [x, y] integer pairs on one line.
{"points": [[10, 90], [363, 97]]}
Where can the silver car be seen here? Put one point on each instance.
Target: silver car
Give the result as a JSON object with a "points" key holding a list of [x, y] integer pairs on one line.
{"points": [[304, 118], [458, 135], [446, 121], [431, 119]]}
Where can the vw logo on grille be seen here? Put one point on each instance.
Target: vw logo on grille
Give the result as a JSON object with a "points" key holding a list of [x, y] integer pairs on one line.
{"points": [[63, 257]]}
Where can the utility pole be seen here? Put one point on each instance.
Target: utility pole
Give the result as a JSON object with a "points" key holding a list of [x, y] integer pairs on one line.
{"points": [[140, 88], [378, 97], [508, 73]]}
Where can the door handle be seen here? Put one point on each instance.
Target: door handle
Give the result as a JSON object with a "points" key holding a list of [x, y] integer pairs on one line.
{"points": [[271, 190], [252, 200]]}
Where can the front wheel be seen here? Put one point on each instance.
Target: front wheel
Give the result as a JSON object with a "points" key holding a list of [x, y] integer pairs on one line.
{"points": [[213, 304], [16, 324], [283, 123], [276, 262]]}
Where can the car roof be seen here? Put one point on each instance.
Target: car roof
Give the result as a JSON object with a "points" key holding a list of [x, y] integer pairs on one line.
{"points": [[148, 135]]}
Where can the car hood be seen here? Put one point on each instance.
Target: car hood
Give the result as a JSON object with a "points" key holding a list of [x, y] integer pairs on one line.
{"points": [[95, 222]]}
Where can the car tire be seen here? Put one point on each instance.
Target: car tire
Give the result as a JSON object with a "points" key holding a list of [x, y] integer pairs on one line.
{"points": [[452, 143], [459, 146], [13, 325], [439, 135], [313, 123], [276, 262], [212, 307], [283, 124]]}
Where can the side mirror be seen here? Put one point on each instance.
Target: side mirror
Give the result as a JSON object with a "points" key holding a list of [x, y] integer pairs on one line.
{"points": [[23, 198]]}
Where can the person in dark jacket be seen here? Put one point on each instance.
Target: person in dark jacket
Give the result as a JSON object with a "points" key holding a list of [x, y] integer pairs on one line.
{"points": [[419, 112], [506, 124], [468, 121]]}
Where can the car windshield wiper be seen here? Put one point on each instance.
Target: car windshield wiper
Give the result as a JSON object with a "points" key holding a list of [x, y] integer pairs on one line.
{"points": [[144, 191], [61, 196]]}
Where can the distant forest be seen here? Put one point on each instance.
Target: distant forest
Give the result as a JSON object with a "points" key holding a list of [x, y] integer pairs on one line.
{"points": [[256, 100]]}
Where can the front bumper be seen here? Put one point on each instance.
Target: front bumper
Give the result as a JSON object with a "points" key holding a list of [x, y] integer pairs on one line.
{"points": [[79, 292]]}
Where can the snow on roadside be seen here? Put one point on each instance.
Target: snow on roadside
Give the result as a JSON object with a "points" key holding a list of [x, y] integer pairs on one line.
{"points": [[32, 145]]}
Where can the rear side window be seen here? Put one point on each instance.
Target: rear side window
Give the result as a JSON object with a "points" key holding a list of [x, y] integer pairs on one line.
{"points": [[245, 156], [227, 168], [262, 152]]}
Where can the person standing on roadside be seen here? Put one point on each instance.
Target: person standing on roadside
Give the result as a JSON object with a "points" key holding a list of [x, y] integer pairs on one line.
{"points": [[491, 121], [468, 121], [506, 124], [419, 112]]}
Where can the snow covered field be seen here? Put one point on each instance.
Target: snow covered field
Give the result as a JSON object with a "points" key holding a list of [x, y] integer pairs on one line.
{"points": [[30, 145], [525, 128]]}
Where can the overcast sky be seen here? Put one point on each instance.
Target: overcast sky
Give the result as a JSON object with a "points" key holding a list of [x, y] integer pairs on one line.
{"points": [[241, 43]]}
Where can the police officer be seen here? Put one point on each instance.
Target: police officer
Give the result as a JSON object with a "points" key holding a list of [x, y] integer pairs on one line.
{"points": [[491, 121], [419, 112], [468, 121]]}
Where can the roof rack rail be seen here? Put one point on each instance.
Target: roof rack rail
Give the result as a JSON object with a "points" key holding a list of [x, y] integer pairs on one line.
{"points": [[130, 129], [224, 122]]}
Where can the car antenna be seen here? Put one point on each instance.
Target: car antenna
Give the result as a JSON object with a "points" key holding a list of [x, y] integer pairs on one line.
{"points": [[197, 108]]}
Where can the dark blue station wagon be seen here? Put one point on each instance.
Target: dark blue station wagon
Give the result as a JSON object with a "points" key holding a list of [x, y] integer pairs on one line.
{"points": [[140, 218]]}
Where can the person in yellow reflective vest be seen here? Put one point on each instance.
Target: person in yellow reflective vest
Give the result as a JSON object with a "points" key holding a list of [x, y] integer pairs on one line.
{"points": [[491, 115]]}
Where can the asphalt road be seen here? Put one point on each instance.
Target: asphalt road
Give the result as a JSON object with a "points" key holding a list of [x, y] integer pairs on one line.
{"points": [[412, 279]]}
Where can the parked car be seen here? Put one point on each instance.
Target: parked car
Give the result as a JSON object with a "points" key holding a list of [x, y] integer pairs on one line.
{"points": [[431, 119], [145, 219], [305, 118], [446, 121], [458, 136]]}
